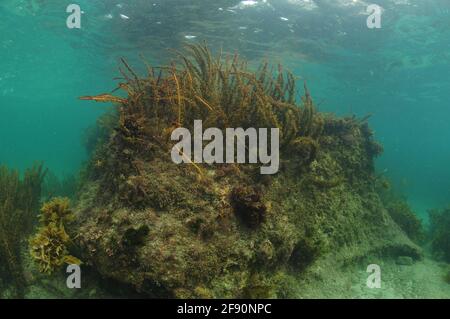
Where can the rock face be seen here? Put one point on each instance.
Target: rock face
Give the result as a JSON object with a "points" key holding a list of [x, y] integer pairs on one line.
{"points": [[405, 261], [224, 230]]}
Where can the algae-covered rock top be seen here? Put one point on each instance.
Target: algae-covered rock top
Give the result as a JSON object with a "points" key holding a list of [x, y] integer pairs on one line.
{"points": [[225, 230]]}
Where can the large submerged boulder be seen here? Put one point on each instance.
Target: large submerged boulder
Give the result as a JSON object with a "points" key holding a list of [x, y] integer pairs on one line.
{"points": [[225, 230]]}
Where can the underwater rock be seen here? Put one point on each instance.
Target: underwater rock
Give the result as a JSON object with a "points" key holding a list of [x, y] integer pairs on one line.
{"points": [[248, 206], [404, 261], [135, 237], [408, 221], [439, 234], [304, 253], [306, 149], [447, 276], [222, 230]]}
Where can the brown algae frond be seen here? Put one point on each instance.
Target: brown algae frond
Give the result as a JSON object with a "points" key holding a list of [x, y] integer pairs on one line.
{"points": [[19, 199], [220, 91], [49, 246]]}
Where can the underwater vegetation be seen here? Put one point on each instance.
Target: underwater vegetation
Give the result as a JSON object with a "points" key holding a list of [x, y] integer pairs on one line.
{"points": [[224, 230], [220, 92], [19, 201], [55, 186], [401, 212], [100, 132], [49, 246], [439, 234], [447, 276], [408, 221]]}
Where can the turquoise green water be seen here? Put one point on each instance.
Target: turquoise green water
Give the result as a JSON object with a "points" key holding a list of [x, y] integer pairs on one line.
{"points": [[398, 73]]}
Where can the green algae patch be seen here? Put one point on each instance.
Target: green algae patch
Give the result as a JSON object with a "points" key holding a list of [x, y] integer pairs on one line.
{"points": [[225, 230]]}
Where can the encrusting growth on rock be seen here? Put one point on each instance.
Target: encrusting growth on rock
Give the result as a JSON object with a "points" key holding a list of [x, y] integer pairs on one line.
{"points": [[224, 230]]}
